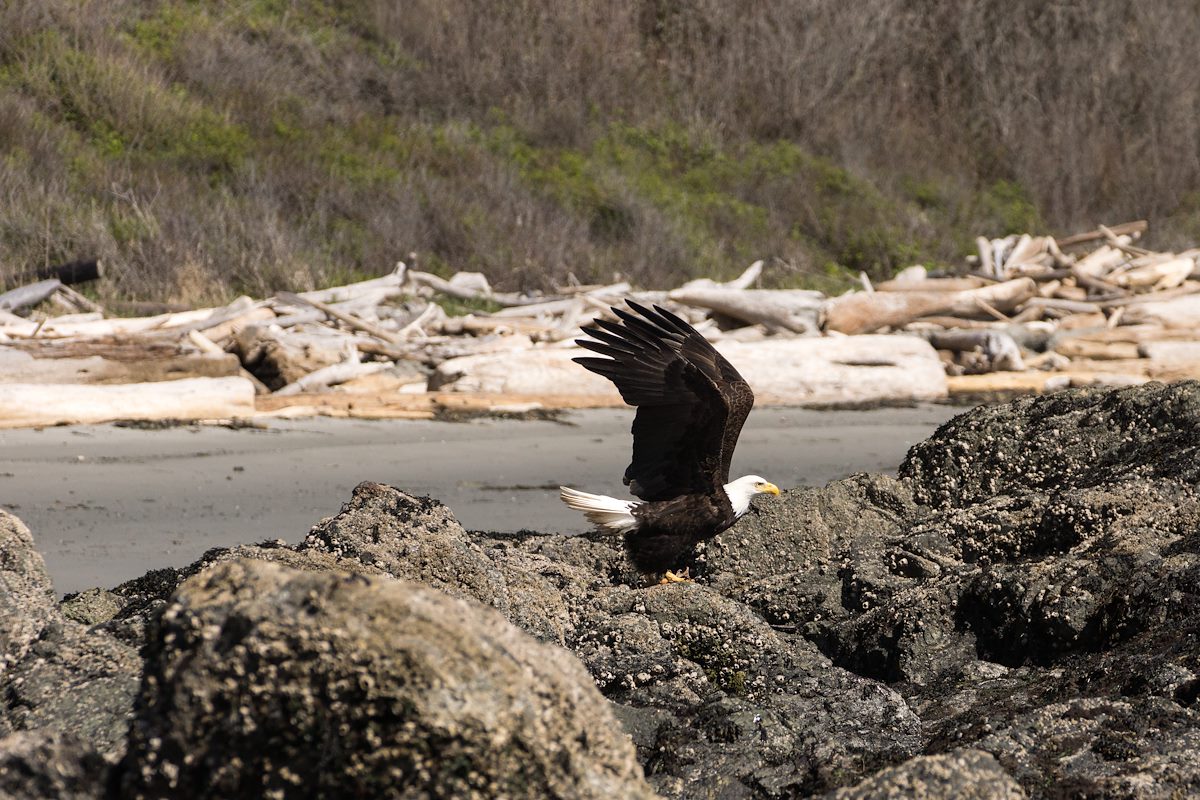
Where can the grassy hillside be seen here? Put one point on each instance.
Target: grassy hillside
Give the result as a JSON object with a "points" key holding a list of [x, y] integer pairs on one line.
{"points": [[206, 149]]}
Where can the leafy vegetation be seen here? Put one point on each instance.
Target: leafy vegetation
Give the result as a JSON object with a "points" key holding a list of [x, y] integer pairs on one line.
{"points": [[209, 149]]}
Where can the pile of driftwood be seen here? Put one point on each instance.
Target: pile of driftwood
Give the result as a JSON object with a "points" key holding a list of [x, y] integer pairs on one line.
{"points": [[1031, 314]]}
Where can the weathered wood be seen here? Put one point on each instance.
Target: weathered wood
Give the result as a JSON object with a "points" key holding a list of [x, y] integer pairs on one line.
{"points": [[30, 295], [75, 298], [793, 310], [1171, 354], [1005, 383], [1100, 261], [383, 286], [36, 405], [280, 357], [227, 328], [1086, 348], [743, 281], [1124, 229], [1166, 274], [17, 366], [464, 293], [331, 375], [800, 371], [354, 322], [1179, 312], [862, 313], [997, 350], [986, 264]]}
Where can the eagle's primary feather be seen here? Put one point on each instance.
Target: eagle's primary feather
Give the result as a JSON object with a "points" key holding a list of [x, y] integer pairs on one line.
{"points": [[691, 405]]}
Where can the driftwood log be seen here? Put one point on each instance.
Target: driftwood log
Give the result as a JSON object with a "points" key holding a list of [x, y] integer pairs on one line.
{"points": [[30, 295], [808, 370], [33, 405], [861, 312], [20, 367], [792, 310]]}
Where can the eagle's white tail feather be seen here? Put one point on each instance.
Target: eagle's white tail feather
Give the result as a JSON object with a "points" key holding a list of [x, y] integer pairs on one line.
{"points": [[607, 512]]}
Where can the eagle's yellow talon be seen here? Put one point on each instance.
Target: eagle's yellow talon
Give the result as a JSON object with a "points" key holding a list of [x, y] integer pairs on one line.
{"points": [[671, 577]]}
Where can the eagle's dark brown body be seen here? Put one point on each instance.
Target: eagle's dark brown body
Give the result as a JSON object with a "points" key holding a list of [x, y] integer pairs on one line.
{"points": [[669, 529]]}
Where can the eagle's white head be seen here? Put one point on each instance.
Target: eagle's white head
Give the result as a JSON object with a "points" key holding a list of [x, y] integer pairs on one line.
{"points": [[741, 490]]}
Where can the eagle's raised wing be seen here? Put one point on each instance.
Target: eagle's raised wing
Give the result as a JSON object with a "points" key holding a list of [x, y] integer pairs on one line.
{"points": [[691, 402]]}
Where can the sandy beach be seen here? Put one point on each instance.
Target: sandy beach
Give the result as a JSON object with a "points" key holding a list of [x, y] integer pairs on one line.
{"points": [[107, 503]]}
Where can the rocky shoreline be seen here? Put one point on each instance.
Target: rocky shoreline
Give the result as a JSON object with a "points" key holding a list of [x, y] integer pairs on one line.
{"points": [[1014, 616]]}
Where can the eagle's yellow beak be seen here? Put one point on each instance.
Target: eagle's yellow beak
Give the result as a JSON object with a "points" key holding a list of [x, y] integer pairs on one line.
{"points": [[769, 488]]}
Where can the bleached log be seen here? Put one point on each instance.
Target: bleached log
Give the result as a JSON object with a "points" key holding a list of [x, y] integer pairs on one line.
{"points": [[1101, 260], [20, 367], [1115, 241], [283, 357], [1027, 249], [340, 294], [1006, 383], [1180, 312], [1171, 353], [354, 322], [1166, 274], [331, 375], [1102, 351], [862, 313], [432, 314], [227, 328], [986, 264], [743, 281], [30, 295], [447, 288], [794, 310], [998, 351], [84, 303], [799, 371], [1131, 229], [35, 405], [485, 325]]}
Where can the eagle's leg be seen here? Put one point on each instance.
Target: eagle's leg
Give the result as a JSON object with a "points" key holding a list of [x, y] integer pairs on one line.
{"points": [[672, 577]]}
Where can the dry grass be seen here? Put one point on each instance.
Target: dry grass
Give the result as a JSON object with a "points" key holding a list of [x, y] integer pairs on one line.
{"points": [[210, 149]]}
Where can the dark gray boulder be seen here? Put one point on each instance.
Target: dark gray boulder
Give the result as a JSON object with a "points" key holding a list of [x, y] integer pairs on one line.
{"points": [[27, 599], [58, 675], [47, 765], [74, 680], [418, 539], [958, 775], [264, 680]]}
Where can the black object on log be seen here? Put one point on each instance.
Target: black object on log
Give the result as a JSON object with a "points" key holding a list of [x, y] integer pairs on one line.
{"points": [[74, 272]]}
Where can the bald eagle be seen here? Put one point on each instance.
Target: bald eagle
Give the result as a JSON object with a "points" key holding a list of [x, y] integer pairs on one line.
{"points": [[691, 404]]}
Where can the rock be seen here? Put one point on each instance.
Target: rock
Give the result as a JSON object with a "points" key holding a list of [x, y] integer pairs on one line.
{"points": [[1092, 747], [418, 538], [960, 775], [751, 709], [91, 607], [27, 599], [74, 681], [261, 679], [51, 766], [59, 677], [410, 537]]}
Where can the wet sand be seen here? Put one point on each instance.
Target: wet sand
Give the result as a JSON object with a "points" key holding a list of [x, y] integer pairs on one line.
{"points": [[106, 504]]}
